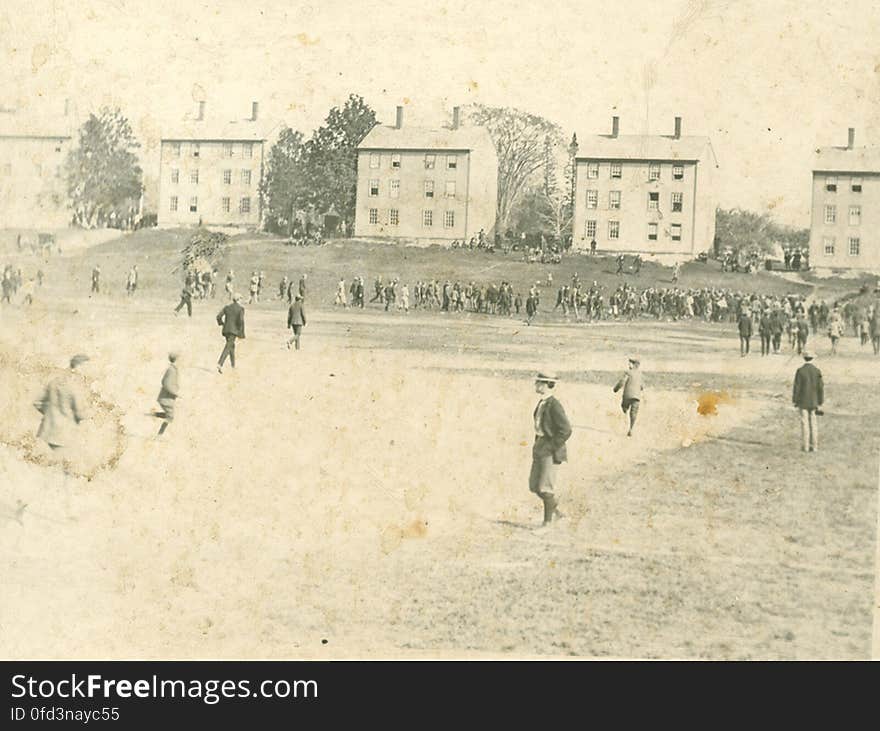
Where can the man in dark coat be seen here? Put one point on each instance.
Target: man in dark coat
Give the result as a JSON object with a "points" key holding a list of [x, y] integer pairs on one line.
{"points": [[552, 430], [231, 319], [186, 296], [169, 393], [807, 396], [296, 321], [745, 333], [765, 330]]}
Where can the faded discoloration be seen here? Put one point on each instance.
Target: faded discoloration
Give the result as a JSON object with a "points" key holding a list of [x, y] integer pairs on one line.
{"points": [[708, 402]]}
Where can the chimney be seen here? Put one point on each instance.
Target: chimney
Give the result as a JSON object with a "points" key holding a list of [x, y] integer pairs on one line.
{"points": [[851, 140], [201, 116], [399, 122], [456, 117], [615, 126], [678, 128], [255, 108]]}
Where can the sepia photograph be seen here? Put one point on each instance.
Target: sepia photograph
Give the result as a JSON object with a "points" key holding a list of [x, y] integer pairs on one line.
{"points": [[439, 330]]}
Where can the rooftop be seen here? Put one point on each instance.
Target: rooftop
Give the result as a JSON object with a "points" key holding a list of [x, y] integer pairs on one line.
{"points": [[645, 147], [206, 130], [383, 137], [847, 160], [14, 124]]}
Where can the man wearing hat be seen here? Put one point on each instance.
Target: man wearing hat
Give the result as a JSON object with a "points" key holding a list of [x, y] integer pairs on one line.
{"points": [[807, 396], [62, 405], [170, 392], [552, 430], [296, 320], [231, 319], [632, 385]]}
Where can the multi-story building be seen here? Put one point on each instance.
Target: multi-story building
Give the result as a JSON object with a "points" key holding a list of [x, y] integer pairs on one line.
{"points": [[845, 221], [426, 184], [33, 192], [647, 194], [210, 173]]}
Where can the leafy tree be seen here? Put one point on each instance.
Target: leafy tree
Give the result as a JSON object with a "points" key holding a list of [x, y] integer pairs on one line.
{"points": [[742, 231], [556, 207], [285, 185], [519, 139], [104, 177], [332, 156]]}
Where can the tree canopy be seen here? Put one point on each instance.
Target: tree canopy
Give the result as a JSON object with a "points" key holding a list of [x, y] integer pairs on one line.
{"points": [[740, 230]]}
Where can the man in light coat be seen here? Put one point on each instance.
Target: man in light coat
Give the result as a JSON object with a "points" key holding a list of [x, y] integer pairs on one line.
{"points": [[632, 384], [169, 393], [62, 406]]}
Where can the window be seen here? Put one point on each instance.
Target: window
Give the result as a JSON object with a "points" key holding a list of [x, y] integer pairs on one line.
{"points": [[245, 177], [855, 215], [677, 202], [616, 170], [592, 170], [592, 199], [175, 149], [854, 247], [449, 219], [676, 231], [227, 177], [654, 171], [247, 149], [227, 149], [194, 177], [830, 214], [451, 162], [394, 217], [429, 189], [450, 189], [374, 159], [828, 245], [227, 204], [394, 188], [652, 232], [395, 160], [654, 201], [193, 205], [614, 229], [614, 200], [374, 187], [831, 183], [590, 230], [856, 185], [173, 203], [175, 175], [429, 162], [427, 218], [244, 205], [374, 215], [196, 149], [678, 172]]}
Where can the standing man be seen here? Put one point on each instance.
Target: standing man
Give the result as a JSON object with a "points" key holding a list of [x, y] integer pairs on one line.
{"points": [[745, 332], [132, 283], [874, 328], [807, 396], [765, 330], [96, 279], [632, 384], [231, 319], [302, 286], [552, 430], [593, 247], [62, 406], [296, 320], [169, 392], [676, 271]]}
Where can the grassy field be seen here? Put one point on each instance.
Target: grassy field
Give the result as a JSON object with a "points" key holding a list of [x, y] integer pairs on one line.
{"points": [[367, 496]]}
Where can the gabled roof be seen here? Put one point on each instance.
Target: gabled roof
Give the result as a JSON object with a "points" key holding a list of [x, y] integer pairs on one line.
{"points": [[383, 137], [15, 124], [847, 160], [208, 131], [646, 147]]}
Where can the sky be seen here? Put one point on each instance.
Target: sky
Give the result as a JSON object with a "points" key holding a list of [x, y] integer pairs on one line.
{"points": [[768, 81]]}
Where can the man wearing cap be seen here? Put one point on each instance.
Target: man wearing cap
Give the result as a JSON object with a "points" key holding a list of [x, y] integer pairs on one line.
{"points": [[231, 319], [296, 320], [632, 385], [552, 430], [62, 405], [807, 396], [170, 392], [745, 332]]}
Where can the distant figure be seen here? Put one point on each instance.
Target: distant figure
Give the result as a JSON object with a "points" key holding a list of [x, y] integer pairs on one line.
{"points": [[230, 284], [40, 277], [254, 289], [552, 430], [296, 321], [637, 264], [632, 384], [62, 406], [808, 395], [874, 329], [745, 333], [27, 291], [186, 297], [340, 294], [302, 286], [593, 247], [620, 262], [169, 393], [132, 281], [231, 319], [96, 279], [676, 272]]}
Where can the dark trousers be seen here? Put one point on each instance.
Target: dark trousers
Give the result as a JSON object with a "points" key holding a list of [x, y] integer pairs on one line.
{"points": [[744, 345], [765, 345], [189, 305], [777, 341], [228, 349]]}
